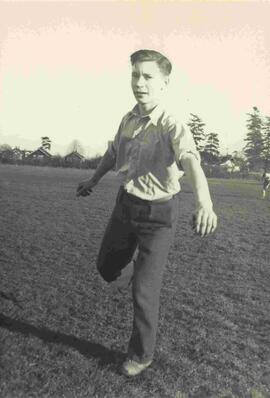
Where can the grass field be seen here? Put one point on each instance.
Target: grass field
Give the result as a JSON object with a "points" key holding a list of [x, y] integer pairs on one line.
{"points": [[64, 332]]}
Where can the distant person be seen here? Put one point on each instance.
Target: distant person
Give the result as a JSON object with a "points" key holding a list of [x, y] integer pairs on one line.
{"points": [[266, 183], [149, 152]]}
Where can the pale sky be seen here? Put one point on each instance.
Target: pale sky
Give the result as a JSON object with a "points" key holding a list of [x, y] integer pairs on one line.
{"points": [[65, 72]]}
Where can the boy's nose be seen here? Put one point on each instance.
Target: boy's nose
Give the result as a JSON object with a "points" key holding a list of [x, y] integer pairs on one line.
{"points": [[140, 81]]}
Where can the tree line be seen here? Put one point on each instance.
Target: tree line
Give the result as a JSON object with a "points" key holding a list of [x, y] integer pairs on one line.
{"points": [[254, 156], [19, 156]]}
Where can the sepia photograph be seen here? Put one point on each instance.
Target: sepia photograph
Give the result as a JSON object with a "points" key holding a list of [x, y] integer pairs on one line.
{"points": [[135, 199]]}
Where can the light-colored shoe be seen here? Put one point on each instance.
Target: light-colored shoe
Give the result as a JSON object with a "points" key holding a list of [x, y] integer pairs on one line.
{"points": [[133, 368]]}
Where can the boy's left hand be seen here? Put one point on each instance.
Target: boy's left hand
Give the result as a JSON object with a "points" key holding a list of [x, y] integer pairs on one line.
{"points": [[204, 221]]}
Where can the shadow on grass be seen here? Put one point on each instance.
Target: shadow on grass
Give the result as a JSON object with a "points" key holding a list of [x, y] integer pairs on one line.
{"points": [[84, 347]]}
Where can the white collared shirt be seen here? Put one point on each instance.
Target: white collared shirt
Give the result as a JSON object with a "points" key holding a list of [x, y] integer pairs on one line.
{"points": [[148, 151]]}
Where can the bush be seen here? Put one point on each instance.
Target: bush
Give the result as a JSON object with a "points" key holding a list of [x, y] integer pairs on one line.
{"points": [[91, 163], [54, 161]]}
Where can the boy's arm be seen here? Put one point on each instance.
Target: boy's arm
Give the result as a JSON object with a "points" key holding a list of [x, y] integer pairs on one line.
{"points": [[107, 162], [205, 219]]}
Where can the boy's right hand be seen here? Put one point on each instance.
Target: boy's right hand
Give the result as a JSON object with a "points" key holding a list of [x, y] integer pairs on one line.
{"points": [[85, 188]]}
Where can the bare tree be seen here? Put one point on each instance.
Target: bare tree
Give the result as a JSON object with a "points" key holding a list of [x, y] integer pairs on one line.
{"points": [[76, 146]]}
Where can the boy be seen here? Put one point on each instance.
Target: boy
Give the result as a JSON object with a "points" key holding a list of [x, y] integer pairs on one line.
{"points": [[148, 152]]}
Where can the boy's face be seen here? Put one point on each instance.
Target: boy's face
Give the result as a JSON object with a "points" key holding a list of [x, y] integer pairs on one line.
{"points": [[148, 83]]}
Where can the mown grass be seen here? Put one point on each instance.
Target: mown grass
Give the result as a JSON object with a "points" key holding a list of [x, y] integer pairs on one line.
{"points": [[64, 332]]}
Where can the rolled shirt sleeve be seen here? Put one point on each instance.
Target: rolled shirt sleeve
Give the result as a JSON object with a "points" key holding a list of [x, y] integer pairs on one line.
{"points": [[182, 143]]}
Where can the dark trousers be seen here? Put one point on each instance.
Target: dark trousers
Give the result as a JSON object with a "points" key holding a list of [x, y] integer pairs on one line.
{"points": [[149, 227]]}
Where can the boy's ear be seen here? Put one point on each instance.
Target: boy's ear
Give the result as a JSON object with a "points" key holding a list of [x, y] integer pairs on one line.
{"points": [[167, 80]]}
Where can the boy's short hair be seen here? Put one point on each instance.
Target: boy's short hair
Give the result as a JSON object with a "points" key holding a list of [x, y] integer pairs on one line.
{"points": [[151, 55]]}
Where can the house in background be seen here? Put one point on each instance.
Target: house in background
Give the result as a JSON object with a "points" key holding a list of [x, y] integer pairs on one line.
{"points": [[74, 159], [229, 166], [39, 154]]}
